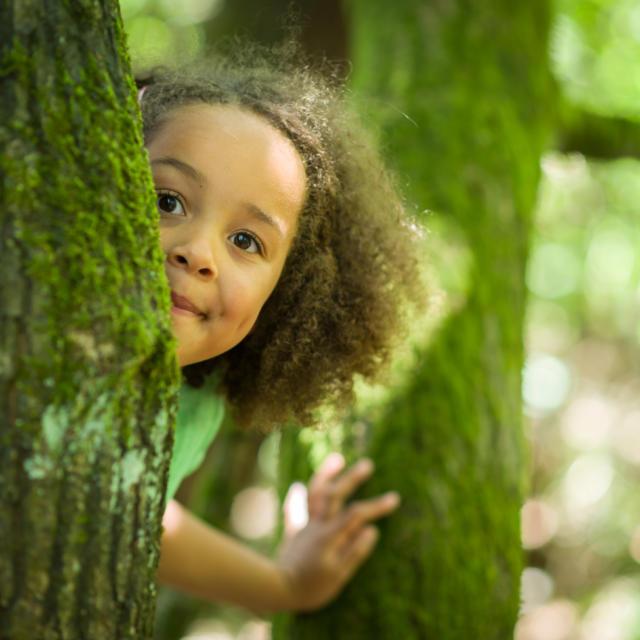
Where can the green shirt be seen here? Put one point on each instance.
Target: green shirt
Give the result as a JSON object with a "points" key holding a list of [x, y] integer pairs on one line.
{"points": [[200, 412]]}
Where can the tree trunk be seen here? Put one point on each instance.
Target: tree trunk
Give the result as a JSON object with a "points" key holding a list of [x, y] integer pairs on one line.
{"points": [[462, 92], [87, 366]]}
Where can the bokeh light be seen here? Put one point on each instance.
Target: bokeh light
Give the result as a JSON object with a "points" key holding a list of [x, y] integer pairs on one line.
{"points": [[187, 12], [162, 32], [610, 260], [553, 271], [587, 481], [626, 438], [555, 620], [254, 512], [587, 422], [614, 614], [150, 40], [545, 383], [539, 523], [536, 588]]}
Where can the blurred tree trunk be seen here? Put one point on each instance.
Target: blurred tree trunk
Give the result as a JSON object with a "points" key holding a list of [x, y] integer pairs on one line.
{"points": [[464, 99], [87, 366]]}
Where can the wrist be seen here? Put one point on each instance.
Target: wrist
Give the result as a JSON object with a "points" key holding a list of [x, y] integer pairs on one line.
{"points": [[287, 595]]}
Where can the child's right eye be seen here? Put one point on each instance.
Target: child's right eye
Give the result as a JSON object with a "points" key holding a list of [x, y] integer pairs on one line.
{"points": [[169, 203]]}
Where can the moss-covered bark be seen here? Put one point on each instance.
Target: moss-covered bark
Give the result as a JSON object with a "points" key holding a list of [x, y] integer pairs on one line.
{"points": [[87, 369], [463, 95]]}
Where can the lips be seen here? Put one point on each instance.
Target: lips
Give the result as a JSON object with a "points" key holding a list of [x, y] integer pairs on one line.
{"points": [[180, 302]]}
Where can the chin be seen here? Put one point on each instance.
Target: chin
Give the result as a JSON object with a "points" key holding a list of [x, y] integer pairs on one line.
{"points": [[185, 359]]}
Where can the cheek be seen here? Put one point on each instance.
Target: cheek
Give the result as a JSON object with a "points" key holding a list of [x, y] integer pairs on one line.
{"points": [[164, 239], [244, 303]]}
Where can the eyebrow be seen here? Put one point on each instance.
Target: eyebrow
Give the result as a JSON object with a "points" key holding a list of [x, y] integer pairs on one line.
{"points": [[183, 167], [259, 214]]}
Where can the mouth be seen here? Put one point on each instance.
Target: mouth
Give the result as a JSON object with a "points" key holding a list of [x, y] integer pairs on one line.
{"points": [[184, 306]]}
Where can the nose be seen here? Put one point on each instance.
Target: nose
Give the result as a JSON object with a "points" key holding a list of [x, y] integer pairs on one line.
{"points": [[195, 257]]}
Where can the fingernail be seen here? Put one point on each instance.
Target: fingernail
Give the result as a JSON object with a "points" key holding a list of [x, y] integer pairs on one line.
{"points": [[392, 497], [366, 465], [372, 533]]}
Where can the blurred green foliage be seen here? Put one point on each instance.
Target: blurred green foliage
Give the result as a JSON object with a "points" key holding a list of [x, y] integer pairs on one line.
{"points": [[582, 523], [595, 52], [163, 31]]}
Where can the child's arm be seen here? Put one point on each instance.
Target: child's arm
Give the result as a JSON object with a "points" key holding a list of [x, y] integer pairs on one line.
{"points": [[312, 567]]}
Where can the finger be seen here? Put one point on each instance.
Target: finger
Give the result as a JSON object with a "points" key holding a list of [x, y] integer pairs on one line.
{"points": [[343, 486], [360, 548], [330, 467], [295, 510], [348, 525]]}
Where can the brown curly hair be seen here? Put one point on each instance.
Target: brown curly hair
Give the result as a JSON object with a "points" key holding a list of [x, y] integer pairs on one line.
{"points": [[339, 304]]}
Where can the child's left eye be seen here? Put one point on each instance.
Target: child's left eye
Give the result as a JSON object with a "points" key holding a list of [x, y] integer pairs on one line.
{"points": [[246, 241]]}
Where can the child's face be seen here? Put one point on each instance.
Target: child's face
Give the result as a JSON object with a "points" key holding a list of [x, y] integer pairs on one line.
{"points": [[230, 189]]}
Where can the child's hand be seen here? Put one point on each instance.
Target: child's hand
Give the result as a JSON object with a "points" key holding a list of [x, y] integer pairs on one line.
{"points": [[319, 559]]}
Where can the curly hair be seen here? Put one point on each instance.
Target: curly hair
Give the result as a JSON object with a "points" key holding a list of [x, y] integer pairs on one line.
{"points": [[339, 304]]}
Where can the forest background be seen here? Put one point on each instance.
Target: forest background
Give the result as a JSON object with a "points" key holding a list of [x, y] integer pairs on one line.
{"points": [[464, 106], [581, 522]]}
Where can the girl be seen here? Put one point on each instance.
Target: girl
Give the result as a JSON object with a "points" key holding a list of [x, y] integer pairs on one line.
{"points": [[288, 262]]}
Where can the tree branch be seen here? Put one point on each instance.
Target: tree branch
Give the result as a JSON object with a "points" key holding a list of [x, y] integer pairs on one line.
{"points": [[597, 136]]}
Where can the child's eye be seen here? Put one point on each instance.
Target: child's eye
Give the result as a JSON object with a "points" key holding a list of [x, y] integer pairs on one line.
{"points": [[169, 203], [246, 241]]}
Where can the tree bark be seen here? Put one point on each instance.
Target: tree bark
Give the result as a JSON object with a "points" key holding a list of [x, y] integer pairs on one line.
{"points": [[463, 95], [87, 367]]}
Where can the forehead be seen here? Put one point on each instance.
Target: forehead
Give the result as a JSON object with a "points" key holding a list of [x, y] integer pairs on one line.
{"points": [[235, 141]]}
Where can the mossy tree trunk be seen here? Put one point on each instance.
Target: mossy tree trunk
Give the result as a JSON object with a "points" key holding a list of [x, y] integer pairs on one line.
{"points": [[87, 366], [463, 93]]}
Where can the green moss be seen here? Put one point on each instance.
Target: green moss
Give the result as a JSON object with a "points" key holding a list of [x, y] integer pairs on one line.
{"points": [[55, 423], [130, 469]]}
